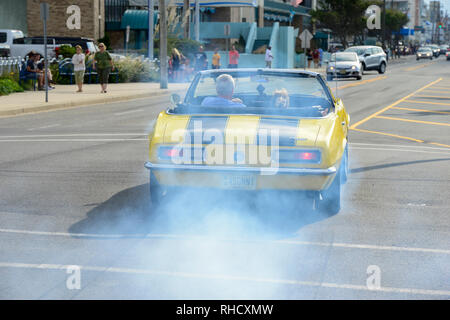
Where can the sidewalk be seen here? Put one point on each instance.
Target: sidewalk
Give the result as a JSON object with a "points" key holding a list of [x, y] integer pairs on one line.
{"points": [[64, 96]]}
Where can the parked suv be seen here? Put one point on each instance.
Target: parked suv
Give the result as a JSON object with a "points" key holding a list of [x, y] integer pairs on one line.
{"points": [[371, 57]]}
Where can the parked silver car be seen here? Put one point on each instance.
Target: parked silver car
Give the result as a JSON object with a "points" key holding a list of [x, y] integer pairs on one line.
{"points": [[371, 57], [344, 65]]}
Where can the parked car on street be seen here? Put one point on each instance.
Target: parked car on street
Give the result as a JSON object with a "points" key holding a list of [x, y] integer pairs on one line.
{"points": [[5, 51], [424, 53], [86, 44], [21, 46], [344, 65], [371, 57]]}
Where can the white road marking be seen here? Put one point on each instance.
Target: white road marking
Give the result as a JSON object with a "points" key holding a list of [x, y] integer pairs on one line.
{"points": [[396, 146], [401, 150], [185, 237], [45, 127], [226, 277], [128, 112], [75, 135], [71, 140]]}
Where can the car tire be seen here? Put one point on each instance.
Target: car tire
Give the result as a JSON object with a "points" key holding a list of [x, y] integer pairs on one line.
{"points": [[331, 198], [157, 192], [329, 77], [358, 77], [363, 68], [382, 68], [344, 166]]}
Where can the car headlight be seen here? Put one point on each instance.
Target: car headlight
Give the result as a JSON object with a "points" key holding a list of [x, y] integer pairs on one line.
{"points": [[353, 67], [331, 68]]}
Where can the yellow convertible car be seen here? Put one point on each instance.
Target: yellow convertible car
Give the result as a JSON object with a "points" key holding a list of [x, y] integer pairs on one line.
{"points": [[253, 129]]}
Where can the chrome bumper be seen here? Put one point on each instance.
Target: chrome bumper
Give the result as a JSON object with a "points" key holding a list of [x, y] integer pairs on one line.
{"points": [[232, 169]]}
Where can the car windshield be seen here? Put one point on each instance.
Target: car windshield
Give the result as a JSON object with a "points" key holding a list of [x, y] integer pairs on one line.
{"points": [[343, 56], [359, 51], [259, 92], [424, 50]]}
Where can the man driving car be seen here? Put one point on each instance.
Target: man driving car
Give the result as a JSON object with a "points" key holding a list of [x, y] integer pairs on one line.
{"points": [[225, 88]]}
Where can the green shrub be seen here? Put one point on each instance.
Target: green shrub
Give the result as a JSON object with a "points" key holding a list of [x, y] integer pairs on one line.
{"points": [[8, 86], [135, 70], [66, 51]]}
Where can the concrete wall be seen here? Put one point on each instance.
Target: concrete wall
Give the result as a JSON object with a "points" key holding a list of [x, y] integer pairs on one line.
{"points": [[13, 15], [60, 20]]}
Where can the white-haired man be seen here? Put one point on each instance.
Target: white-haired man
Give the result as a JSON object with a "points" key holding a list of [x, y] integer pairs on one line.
{"points": [[225, 89]]}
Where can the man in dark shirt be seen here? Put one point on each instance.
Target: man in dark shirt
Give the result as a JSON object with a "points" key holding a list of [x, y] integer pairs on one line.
{"points": [[201, 60], [34, 71]]}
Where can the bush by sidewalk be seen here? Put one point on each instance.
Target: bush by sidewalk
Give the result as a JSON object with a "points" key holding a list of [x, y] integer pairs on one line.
{"points": [[136, 70], [8, 85]]}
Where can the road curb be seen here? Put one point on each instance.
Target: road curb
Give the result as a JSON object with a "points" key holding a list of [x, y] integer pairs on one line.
{"points": [[74, 104]]}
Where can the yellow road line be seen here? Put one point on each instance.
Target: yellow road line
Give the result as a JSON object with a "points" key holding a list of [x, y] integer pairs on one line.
{"points": [[415, 121], [362, 82], [418, 67], [394, 104], [426, 96], [440, 144], [421, 110], [388, 134], [427, 102], [437, 91]]}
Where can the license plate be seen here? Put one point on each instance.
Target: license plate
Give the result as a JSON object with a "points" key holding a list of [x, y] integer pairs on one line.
{"points": [[343, 72], [242, 182]]}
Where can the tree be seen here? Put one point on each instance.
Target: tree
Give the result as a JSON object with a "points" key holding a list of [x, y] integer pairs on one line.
{"points": [[395, 20], [345, 17]]}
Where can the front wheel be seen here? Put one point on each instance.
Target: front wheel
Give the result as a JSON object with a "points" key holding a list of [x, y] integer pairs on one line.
{"points": [[329, 77], [382, 68], [358, 77]]}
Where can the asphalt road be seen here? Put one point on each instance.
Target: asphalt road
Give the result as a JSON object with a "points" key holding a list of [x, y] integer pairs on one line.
{"points": [[74, 192]]}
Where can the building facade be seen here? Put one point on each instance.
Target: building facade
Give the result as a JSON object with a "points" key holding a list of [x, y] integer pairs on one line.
{"points": [[69, 18]]}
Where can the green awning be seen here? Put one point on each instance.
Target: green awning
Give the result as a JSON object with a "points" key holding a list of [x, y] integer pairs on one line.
{"points": [[137, 19], [321, 35]]}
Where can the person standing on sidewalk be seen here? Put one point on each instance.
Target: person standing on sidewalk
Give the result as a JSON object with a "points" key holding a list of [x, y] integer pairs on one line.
{"points": [[234, 58], [309, 57], [79, 67], [269, 57], [320, 57], [316, 56], [216, 59], [103, 64], [201, 60]]}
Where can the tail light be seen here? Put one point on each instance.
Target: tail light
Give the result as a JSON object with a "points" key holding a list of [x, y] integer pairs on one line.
{"points": [[299, 156]]}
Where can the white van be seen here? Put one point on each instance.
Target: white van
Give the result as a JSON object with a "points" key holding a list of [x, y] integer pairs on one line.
{"points": [[21, 46]]}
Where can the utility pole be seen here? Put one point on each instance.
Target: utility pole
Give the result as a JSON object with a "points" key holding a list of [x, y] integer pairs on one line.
{"points": [[150, 29], [186, 19], [163, 44], [197, 20], [384, 24]]}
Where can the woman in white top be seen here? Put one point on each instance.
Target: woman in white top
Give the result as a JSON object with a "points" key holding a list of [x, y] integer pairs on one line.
{"points": [[79, 67]]}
